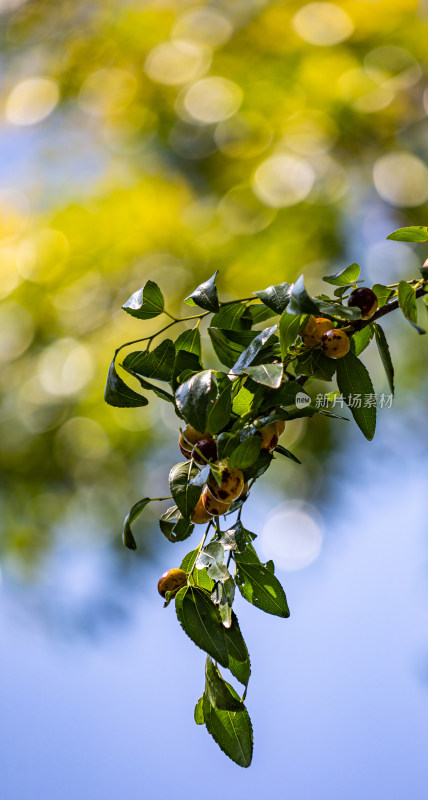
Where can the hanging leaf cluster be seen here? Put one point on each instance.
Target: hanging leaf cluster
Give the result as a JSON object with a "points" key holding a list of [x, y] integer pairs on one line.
{"points": [[271, 349]]}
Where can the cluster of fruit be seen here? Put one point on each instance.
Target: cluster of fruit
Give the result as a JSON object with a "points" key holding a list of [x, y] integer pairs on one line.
{"points": [[335, 343], [216, 498]]}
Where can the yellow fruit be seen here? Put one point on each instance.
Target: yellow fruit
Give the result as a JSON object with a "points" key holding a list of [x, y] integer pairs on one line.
{"points": [[200, 514], [212, 506], [189, 438], [171, 581], [269, 436], [232, 482], [335, 343], [314, 329], [280, 426]]}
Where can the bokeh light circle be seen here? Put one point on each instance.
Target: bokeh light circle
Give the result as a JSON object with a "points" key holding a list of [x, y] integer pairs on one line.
{"points": [[213, 99], [31, 101], [177, 62], [322, 24], [283, 180], [292, 536], [401, 179], [206, 25]]}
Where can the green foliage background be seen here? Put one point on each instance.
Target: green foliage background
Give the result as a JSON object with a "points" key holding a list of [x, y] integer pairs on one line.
{"points": [[120, 184]]}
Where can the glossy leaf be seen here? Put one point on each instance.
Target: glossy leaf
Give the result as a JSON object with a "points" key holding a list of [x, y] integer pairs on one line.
{"points": [[269, 375], [284, 452], [157, 363], [385, 355], [382, 293], [118, 394], [146, 303], [261, 588], [407, 301], [190, 341], [258, 312], [302, 303], [231, 730], [174, 526], [185, 494], [158, 391], [185, 365], [353, 379], [211, 558], [199, 711], [414, 233], [127, 535], [217, 690], [201, 621], [220, 411], [345, 277], [229, 344], [239, 660], [246, 453], [259, 467], [276, 297], [234, 538], [194, 396], [205, 295], [247, 357], [315, 364], [232, 317], [361, 339], [289, 328]]}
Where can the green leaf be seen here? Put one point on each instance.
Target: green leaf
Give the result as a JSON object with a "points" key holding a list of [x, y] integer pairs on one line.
{"points": [[261, 588], [246, 453], [128, 536], [259, 467], [231, 730], [231, 317], [199, 711], [146, 303], [353, 379], [258, 312], [194, 396], [415, 233], [185, 364], [382, 293], [289, 328], [407, 301], [302, 303], [174, 526], [284, 452], [185, 494], [239, 660], [276, 297], [157, 364], [243, 401], [190, 341], [205, 295], [266, 374], [347, 276], [247, 357], [201, 621], [234, 538], [361, 339], [211, 559], [217, 690], [118, 394], [385, 355], [151, 387], [315, 364], [220, 412], [229, 344], [189, 559]]}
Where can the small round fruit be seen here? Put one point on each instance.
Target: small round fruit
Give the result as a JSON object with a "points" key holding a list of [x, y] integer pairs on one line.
{"points": [[200, 514], [188, 439], [314, 329], [213, 507], [335, 343], [280, 426], [232, 482], [269, 436], [208, 449], [171, 581], [364, 299]]}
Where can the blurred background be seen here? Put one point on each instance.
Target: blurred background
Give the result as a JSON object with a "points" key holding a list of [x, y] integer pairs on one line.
{"points": [[163, 140]]}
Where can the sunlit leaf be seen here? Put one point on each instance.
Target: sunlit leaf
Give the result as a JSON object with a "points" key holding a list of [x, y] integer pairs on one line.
{"points": [[185, 494], [194, 396], [353, 379], [385, 355], [346, 276], [118, 394], [157, 363], [205, 295], [414, 233], [276, 297], [128, 536], [200, 619], [146, 303], [261, 588]]}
